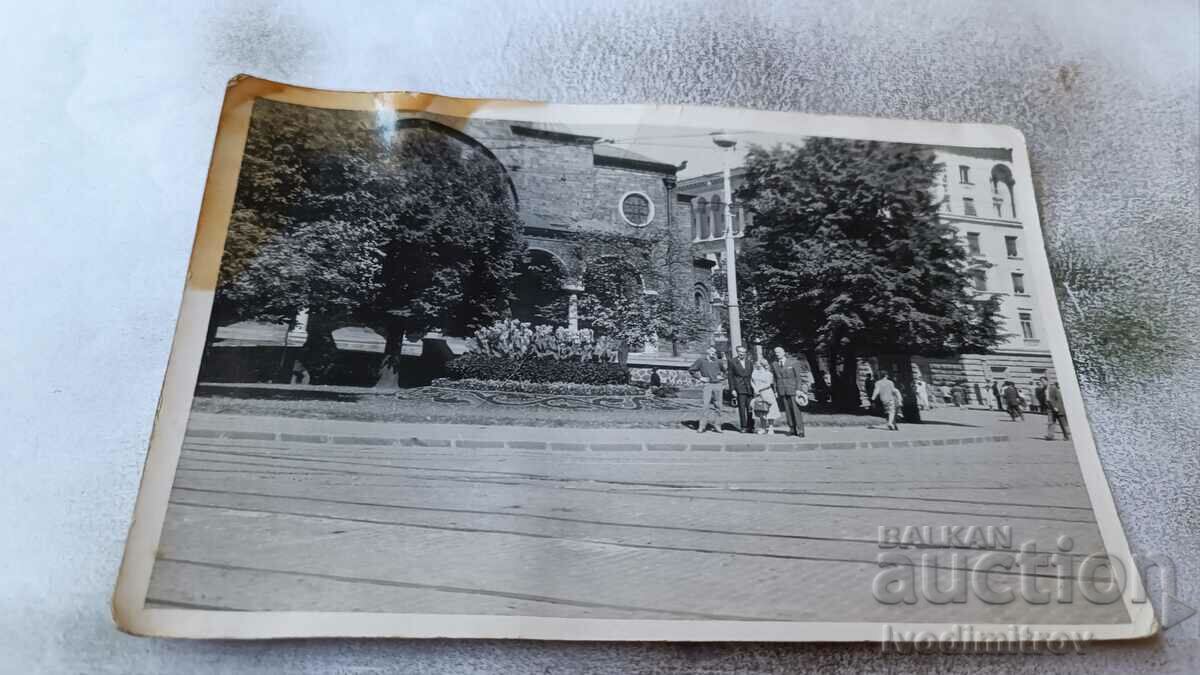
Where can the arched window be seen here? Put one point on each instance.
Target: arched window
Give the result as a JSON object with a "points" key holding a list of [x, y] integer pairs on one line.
{"points": [[695, 221], [703, 301], [1002, 190], [718, 215], [702, 215], [735, 211]]}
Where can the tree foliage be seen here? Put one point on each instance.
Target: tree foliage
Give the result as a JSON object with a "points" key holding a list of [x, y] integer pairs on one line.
{"points": [[615, 305], [848, 257], [403, 228], [637, 289]]}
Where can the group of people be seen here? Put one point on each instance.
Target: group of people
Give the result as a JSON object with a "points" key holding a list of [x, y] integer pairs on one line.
{"points": [[762, 391], [1047, 397], [766, 391], [1008, 394]]}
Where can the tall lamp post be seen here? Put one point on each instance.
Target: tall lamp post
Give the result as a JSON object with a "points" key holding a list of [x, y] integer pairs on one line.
{"points": [[728, 143]]}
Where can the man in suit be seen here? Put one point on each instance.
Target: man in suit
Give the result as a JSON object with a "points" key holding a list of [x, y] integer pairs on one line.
{"points": [[787, 385], [1055, 412], [740, 370]]}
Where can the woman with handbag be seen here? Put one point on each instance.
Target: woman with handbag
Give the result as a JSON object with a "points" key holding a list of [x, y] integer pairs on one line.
{"points": [[766, 408]]}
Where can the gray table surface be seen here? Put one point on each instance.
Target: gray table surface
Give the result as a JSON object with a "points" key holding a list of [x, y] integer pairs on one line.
{"points": [[108, 120]]}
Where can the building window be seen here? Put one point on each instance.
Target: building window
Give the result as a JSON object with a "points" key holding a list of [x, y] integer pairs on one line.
{"points": [[1018, 283], [979, 279], [973, 243], [703, 301], [999, 207], [718, 216], [1026, 325], [735, 212], [695, 222], [964, 174], [702, 216], [1010, 246], [968, 206], [636, 209]]}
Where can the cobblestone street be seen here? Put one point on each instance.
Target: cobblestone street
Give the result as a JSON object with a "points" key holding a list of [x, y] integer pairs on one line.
{"points": [[291, 514]]}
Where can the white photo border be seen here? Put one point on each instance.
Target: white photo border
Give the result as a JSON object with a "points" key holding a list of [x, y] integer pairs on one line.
{"points": [[183, 366]]}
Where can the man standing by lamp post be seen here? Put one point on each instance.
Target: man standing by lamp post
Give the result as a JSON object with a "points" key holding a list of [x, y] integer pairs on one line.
{"points": [[728, 143]]}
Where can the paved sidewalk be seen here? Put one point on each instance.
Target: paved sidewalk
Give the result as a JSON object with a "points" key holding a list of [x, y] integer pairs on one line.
{"points": [[952, 427]]}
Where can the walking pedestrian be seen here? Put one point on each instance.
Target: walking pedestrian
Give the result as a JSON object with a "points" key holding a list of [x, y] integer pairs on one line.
{"points": [[709, 371], [1012, 401], [922, 394], [1039, 394], [766, 408], [996, 394], [1055, 412], [741, 367], [790, 395], [888, 396]]}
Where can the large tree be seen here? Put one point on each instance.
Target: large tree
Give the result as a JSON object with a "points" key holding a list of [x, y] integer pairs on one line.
{"points": [[402, 228], [849, 259], [450, 243]]}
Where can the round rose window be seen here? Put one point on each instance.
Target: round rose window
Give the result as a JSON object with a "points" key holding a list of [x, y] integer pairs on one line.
{"points": [[636, 209]]}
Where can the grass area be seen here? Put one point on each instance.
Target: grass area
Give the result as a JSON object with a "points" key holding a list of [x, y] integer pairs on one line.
{"points": [[375, 408]]}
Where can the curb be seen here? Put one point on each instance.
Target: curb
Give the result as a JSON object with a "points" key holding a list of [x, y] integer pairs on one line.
{"points": [[607, 446]]}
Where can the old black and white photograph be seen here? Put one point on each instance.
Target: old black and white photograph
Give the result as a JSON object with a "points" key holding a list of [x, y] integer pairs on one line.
{"points": [[555, 366]]}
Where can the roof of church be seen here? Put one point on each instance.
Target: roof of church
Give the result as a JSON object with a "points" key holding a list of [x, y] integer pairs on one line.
{"points": [[604, 153], [621, 153]]}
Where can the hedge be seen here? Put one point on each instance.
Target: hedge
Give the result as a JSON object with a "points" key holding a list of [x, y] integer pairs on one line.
{"points": [[549, 388], [483, 367]]}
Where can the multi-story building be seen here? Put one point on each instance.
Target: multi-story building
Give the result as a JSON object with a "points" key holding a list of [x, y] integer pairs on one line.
{"points": [[979, 198]]}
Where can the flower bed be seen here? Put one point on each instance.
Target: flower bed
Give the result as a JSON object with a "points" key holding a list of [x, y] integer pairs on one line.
{"points": [[559, 388], [534, 369]]}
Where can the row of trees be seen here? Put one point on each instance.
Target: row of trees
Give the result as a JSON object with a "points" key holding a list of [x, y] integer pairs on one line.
{"points": [[846, 259]]}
